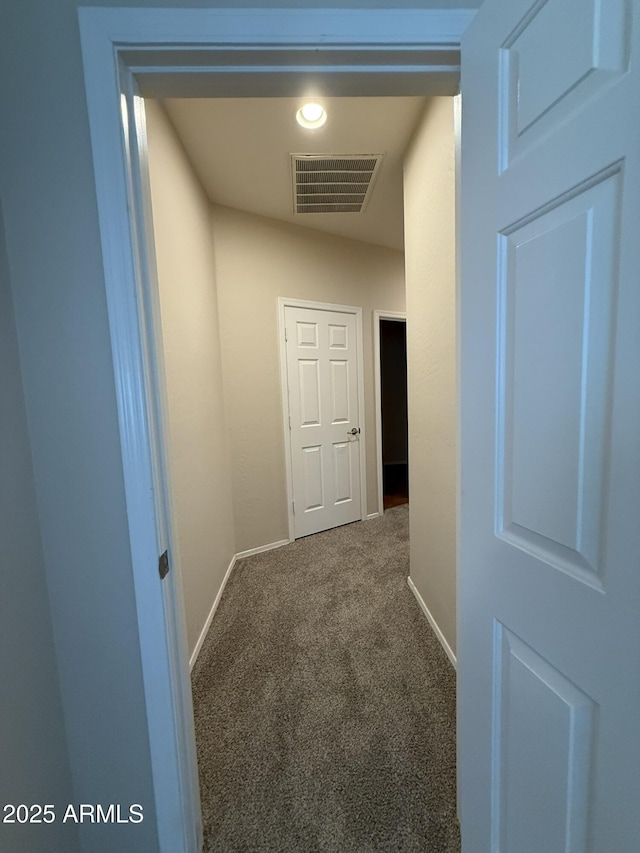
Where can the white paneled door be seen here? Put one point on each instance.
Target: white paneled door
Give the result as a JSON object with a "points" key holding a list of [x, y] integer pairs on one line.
{"points": [[549, 624], [324, 417]]}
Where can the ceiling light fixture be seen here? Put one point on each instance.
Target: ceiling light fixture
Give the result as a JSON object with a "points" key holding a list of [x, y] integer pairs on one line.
{"points": [[311, 116]]}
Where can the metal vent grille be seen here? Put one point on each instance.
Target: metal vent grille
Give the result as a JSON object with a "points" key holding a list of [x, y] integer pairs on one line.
{"points": [[333, 184]]}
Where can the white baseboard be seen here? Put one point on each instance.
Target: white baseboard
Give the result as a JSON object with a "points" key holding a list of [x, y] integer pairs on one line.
{"points": [[261, 548], [373, 515], [436, 629], [212, 612]]}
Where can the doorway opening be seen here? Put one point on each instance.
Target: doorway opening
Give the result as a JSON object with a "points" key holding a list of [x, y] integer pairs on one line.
{"points": [[178, 63], [246, 389], [395, 427], [392, 417]]}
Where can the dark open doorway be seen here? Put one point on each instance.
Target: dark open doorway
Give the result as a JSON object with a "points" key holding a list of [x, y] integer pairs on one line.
{"points": [[393, 394]]}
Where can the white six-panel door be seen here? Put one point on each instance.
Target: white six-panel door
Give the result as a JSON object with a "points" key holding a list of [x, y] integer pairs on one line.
{"points": [[549, 606], [324, 418]]}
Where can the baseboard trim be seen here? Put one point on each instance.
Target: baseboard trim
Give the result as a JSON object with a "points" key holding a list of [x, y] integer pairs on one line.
{"points": [[212, 612], [261, 548], [436, 628], [373, 515]]}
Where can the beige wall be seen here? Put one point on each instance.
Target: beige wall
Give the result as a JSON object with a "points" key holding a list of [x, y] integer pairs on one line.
{"points": [[429, 187], [198, 448], [257, 260]]}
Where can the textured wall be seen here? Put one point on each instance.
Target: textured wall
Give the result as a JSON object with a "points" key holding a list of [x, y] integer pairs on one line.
{"points": [[429, 187], [258, 260], [198, 446]]}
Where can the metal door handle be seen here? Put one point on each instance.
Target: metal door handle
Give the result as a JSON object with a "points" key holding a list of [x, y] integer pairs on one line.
{"points": [[354, 431]]}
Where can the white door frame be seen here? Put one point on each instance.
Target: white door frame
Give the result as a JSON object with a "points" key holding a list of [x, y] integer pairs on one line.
{"points": [[285, 302], [131, 53], [401, 317]]}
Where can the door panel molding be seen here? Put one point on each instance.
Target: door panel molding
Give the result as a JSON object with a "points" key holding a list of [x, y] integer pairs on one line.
{"points": [[552, 702]]}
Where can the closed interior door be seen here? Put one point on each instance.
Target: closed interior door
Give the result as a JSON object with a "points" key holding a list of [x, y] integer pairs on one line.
{"points": [[549, 632], [324, 421]]}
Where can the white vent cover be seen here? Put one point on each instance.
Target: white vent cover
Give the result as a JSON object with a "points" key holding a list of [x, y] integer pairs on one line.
{"points": [[333, 183]]}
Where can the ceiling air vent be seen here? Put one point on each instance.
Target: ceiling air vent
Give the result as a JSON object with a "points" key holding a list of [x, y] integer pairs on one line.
{"points": [[325, 183]]}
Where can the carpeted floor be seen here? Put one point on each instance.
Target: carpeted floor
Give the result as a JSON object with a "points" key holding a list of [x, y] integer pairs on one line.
{"points": [[324, 704]]}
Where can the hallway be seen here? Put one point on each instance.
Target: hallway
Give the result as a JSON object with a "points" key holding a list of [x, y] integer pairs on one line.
{"points": [[324, 704]]}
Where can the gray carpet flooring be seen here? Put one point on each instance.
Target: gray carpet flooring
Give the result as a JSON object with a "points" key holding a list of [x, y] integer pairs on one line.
{"points": [[324, 704]]}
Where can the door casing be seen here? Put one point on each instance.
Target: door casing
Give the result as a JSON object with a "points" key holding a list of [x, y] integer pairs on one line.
{"points": [[132, 53]]}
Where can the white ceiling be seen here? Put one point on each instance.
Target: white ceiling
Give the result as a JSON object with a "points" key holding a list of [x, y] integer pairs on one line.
{"points": [[240, 149]]}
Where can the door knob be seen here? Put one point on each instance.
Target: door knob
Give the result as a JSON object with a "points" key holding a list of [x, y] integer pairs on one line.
{"points": [[354, 431]]}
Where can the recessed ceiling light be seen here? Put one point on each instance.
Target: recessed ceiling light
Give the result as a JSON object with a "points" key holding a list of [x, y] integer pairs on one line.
{"points": [[311, 116]]}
